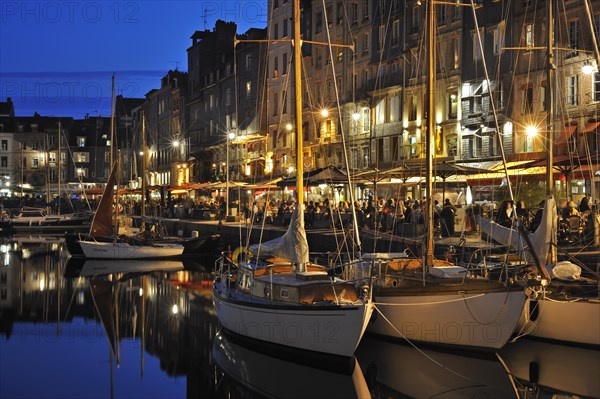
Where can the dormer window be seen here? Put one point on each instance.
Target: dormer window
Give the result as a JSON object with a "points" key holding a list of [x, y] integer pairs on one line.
{"points": [[80, 141]]}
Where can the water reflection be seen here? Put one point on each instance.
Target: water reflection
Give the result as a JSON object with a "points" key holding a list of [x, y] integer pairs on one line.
{"points": [[396, 370], [549, 370], [245, 371], [147, 329]]}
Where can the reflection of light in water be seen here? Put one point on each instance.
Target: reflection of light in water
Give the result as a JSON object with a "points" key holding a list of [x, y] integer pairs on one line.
{"points": [[175, 309], [42, 284], [80, 298], [6, 259], [141, 291]]}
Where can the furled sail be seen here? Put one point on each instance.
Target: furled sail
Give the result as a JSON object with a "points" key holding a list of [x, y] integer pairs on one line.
{"points": [[292, 245], [540, 240]]}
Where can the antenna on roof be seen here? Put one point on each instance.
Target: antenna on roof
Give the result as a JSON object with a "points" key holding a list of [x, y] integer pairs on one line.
{"points": [[176, 64]]}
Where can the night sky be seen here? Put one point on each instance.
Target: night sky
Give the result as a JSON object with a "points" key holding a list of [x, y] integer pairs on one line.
{"points": [[57, 58]]}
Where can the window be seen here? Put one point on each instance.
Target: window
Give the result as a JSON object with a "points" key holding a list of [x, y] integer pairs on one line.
{"points": [[365, 154], [452, 104], [366, 10], [452, 146], [319, 22], [284, 64], [380, 112], [275, 67], [414, 20], [339, 13], [529, 38], [52, 157], [543, 104], [394, 108], [4, 145], [441, 14], [477, 56], [354, 158], [249, 62], [227, 97], [528, 100], [596, 87], [574, 35], [276, 31], [275, 104], [366, 120], [456, 52], [396, 33], [4, 161], [365, 44], [412, 111], [381, 36], [412, 142], [284, 100], [285, 28], [572, 94], [248, 89], [35, 163], [81, 157], [499, 38]]}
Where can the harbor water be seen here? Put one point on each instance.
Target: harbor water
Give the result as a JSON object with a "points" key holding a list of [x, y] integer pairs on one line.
{"points": [[148, 329]]}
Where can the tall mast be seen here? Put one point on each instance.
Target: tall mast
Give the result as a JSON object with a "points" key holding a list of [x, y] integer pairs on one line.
{"points": [[298, 109], [112, 120], [143, 168], [428, 252], [550, 71], [58, 167]]}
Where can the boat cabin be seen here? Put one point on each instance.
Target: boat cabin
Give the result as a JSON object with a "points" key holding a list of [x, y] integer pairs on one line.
{"points": [[270, 281]]}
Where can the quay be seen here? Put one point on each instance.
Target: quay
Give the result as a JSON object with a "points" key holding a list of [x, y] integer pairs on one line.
{"points": [[323, 239]]}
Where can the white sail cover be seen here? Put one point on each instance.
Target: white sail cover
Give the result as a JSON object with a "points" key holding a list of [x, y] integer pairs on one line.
{"points": [[292, 245], [541, 239]]}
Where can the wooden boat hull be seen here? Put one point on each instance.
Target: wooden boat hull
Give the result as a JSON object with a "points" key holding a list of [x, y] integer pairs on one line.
{"points": [[122, 250], [329, 329], [483, 320], [562, 320]]}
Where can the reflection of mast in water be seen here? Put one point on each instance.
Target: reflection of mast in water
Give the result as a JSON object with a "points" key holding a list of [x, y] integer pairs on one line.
{"points": [[103, 298]]}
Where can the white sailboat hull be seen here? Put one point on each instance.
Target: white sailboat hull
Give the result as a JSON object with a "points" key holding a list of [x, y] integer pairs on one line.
{"points": [[334, 330], [480, 321], [569, 321], [122, 250]]}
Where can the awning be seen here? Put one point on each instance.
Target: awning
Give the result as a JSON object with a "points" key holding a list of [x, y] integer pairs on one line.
{"points": [[590, 127], [566, 134]]}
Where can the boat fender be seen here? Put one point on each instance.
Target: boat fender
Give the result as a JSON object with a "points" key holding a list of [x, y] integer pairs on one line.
{"points": [[240, 254]]}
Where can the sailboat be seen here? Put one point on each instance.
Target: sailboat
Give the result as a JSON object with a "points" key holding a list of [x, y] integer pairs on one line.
{"points": [[97, 246], [431, 301], [278, 296], [566, 307]]}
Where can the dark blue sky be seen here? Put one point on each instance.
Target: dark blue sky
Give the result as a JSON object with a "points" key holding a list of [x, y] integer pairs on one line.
{"points": [[57, 58]]}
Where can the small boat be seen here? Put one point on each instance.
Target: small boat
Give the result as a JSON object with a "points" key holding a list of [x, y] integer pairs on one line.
{"points": [[40, 217], [103, 243], [432, 301], [125, 250], [279, 296]]}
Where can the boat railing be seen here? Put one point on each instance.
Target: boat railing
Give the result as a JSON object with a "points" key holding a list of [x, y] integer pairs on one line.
{"points": [[495, 262]]}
